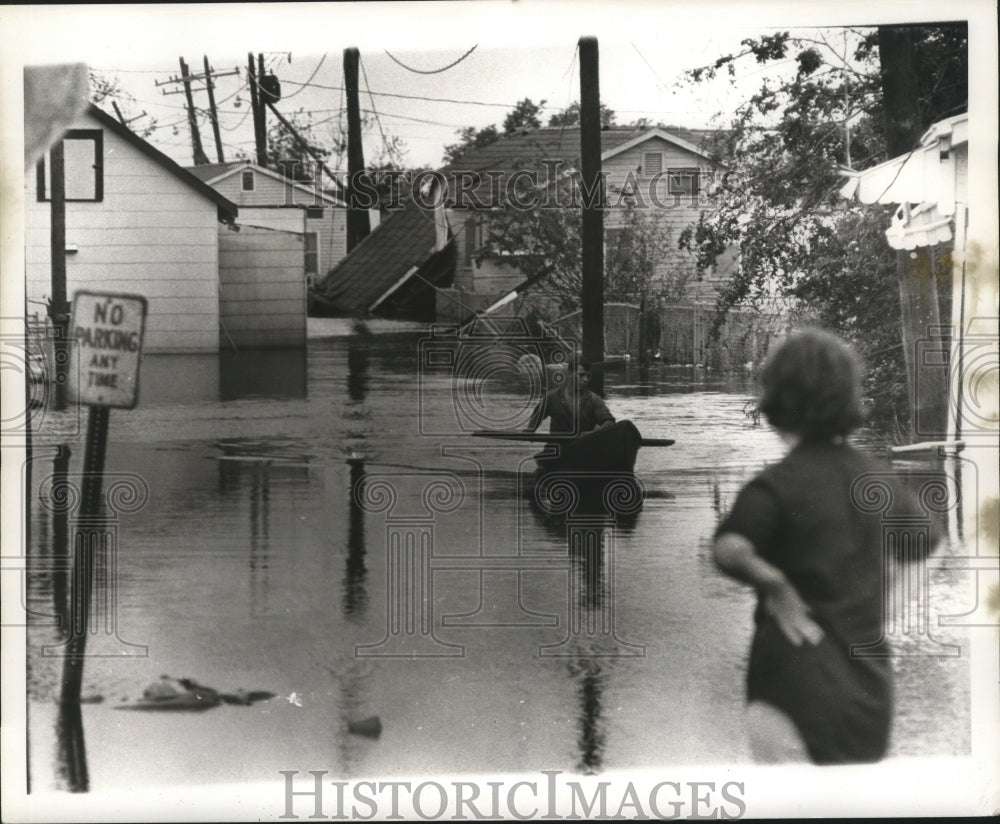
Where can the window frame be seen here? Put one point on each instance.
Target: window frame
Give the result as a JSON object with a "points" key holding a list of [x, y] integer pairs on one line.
{"points": [[97, 136], [248, 175], [683, 174], [308, 253]]}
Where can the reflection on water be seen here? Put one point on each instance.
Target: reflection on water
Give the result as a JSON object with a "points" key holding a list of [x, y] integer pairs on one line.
{"points": [[255, 564], [357, 367], [262, 373], [355, 596], [587, 673]]}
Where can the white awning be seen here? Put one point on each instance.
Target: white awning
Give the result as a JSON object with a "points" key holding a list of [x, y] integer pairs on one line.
{"points": [[925, 175], [922, 226]]}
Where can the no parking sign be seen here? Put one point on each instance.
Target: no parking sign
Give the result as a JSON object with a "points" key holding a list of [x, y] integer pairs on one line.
{"points": [[107, 330]]}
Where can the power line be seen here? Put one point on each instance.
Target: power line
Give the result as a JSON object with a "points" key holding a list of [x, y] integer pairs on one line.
{"points": [[431, 71], [644, 60], [419, 97], [246, 114], [385, 143], [416, 119], [311, 78]]}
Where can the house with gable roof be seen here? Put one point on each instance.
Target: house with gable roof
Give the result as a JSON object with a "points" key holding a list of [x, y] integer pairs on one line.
{"points": [[672, 165], [136, 222], [668, 171], [270, 200]]}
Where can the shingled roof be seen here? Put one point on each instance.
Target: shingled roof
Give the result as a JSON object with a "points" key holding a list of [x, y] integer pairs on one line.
{"points": [[527, 147], [403, 241], [210, 171]]}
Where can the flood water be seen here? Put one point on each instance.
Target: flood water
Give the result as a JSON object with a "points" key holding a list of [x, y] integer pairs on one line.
{"points": [[319, 525]]}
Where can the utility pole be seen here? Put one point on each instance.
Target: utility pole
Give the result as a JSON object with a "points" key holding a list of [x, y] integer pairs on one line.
{"points": [[200, 158], [210, 85], [58, 307], [592, 185], [255, 104], [918, 289], [187, 78], [358, 226], [261, 110]]}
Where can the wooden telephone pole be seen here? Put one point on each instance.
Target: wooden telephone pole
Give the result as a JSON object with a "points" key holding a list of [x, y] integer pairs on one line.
{"points": [[592, 185], [210, 86], [256, 104], [200, 158], [261, 112], [358, 226], [187, 78]]}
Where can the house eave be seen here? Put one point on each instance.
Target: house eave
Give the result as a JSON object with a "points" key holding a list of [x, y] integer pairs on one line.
{"points": [[227, 210]]}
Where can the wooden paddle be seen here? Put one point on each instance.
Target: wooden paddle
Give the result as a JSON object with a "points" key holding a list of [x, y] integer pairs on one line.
{"points": [[532, 437]]}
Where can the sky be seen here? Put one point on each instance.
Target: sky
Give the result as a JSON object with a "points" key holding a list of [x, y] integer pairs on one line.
{"points": [[526, 48], [638, 77]]}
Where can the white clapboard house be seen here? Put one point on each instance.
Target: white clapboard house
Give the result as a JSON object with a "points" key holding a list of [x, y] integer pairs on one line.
{"points": [[269, 200], [136, 222]]}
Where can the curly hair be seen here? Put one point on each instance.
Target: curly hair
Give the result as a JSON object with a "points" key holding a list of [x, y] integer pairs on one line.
{"points": [[812, 386]]}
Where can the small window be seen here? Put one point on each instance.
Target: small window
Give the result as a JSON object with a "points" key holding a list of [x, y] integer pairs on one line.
{"points": [[477, 235], [83, 167], [248, 184], [682, 181], [470, 239], [652, 163], [482, 233], [312, 253]]}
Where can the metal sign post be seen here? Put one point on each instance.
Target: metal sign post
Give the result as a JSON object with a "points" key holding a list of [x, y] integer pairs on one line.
{"points": [[107, 330]]}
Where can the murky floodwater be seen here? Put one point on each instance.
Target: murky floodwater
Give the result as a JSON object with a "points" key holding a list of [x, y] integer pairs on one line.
{"points": [[435, 597]]}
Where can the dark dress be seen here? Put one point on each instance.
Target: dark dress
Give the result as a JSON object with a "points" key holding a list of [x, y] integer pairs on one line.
{"points": [[800, 517]]}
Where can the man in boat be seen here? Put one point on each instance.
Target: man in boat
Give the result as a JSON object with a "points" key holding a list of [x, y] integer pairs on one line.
{"points": [[572, 407]]}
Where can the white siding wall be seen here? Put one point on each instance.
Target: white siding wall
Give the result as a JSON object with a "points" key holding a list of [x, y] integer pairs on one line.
{"points": [[263, 299], [269, 192], [286, 220], [675, 213], [151, 235]]}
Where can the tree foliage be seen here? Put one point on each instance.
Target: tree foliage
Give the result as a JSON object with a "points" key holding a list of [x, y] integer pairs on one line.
{"points": [[524, 115], [818, 110], [546, 239], [570, 116], [105, 90], [470, 138]]}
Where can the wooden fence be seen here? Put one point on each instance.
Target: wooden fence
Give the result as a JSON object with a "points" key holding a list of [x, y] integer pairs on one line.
{"points": [[682, 335]]}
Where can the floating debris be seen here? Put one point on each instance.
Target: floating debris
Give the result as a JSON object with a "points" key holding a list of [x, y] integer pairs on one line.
{"points": [[186, 694], [369, 727]]}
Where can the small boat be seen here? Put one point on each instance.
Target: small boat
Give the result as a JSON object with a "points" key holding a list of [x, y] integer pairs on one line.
{"points": [[599, 464], [610, 449]]}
